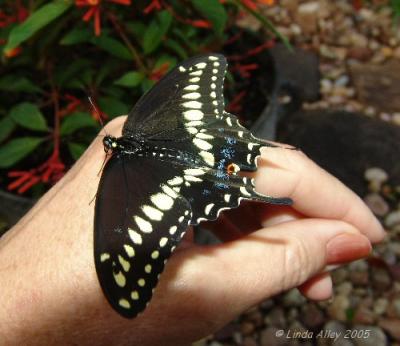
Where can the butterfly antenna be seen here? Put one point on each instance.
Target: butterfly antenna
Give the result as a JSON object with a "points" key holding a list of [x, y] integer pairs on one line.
{"points": [[98, 114]]}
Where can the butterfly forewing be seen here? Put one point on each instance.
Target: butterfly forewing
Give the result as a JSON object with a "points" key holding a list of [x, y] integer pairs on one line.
{"points": [[190, 95]]}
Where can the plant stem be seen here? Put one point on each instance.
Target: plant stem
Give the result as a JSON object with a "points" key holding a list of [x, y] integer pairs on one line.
{"points": [[267, 23], [128, 43]]}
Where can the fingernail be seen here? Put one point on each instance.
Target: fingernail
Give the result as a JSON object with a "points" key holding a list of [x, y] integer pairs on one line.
{"points": [[347, 247]]}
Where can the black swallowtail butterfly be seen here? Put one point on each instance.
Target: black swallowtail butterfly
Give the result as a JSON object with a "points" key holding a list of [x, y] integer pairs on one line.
{"points": [[175, 165]]}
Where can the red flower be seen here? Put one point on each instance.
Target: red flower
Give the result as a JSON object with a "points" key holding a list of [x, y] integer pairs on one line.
{"points": [[158, 72], [252, 4], [94, 11], [154, 5], [11, 53]]}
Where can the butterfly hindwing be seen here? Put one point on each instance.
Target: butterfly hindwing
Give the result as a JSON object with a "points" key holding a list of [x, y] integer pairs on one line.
{"points": [[139, 222]]}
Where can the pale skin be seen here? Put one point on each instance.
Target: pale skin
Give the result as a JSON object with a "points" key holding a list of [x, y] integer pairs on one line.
{"points": [[49, 289]]}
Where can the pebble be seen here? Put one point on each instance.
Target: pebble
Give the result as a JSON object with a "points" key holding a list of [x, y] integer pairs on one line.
{"points": [[381, 279], [392, 219], [376, 336], [363, 315], [375, 174], [396, 118], [380, 306], [249, 341], [312, 316], [392, 326], [359, 265], [338, 308], [269, 337], [344, 288], [377, 204], [246, 328], [276, 318], [342, 81], [293, 298]]}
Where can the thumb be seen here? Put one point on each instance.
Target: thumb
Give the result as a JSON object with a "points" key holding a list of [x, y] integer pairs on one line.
{"points": [[271, 260]]}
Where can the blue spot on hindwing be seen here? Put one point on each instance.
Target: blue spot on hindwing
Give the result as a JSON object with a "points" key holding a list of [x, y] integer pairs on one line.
{"points": [[228, 152], [206, 192], [231, 140], [221, 186]]}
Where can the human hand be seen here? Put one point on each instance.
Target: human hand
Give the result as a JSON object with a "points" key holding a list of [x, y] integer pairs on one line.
{"points": [[51, 295]]}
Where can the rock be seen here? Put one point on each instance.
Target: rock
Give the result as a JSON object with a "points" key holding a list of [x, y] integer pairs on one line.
{"points": [[376, 174], [292, 314], [378, 85], [359, 278], [311, 316], [381, 280], [344, 288], [329, 329], [276, 318], [380, 306], [342, 81], [249, 341], [393, 309], [293, 298], [202, 342], [377, 204], [291, 5], [392, 219], [256, 317], [307, 16], [339, 275], [396, 118], [272, 337], [376, 336], [359, 53], [246, 328], [363, 315], [392, 327], [360, 265], [215, 343], [226, 331], [338, 308]]}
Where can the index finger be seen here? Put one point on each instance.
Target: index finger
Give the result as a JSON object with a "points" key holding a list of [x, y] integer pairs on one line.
{"points": [[315, 192]]}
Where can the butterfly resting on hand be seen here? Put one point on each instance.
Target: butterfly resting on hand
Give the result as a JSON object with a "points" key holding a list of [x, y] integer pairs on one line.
{"points": [[175, 165]]}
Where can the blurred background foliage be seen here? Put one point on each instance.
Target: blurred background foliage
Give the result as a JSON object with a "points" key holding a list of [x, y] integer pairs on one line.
{"points": [[54, 54]]}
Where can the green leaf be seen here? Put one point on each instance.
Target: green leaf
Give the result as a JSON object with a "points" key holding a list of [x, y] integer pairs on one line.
{"points": [[112, 46], [76, 150], [37, 20], [130, 79], [177, 48], [76, 121], [214, 11], [13, 83], [76, 36], [6, 127], [112, 106], [147, 84], [29, 116], [66, 72], [17, 149], [156, 31]]}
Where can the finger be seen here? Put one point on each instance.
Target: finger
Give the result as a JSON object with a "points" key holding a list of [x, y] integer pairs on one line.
{"points": [[316, 193], [318, 288], [272, 260]]}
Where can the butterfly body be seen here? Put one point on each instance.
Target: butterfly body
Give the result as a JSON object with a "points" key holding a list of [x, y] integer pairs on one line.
{"points": [[176, 164]]}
